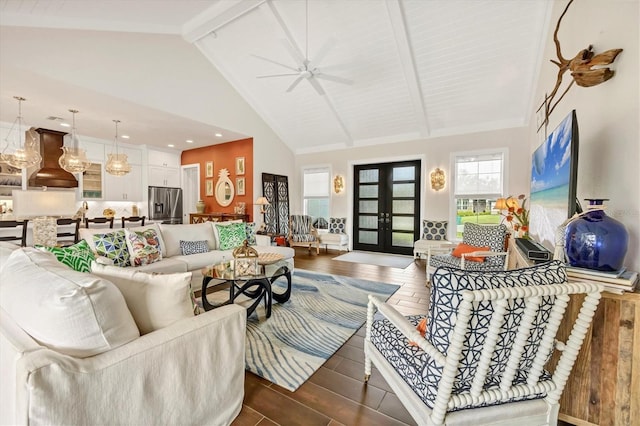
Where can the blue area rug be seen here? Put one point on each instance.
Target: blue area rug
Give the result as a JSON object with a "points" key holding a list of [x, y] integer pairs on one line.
{"points": [[324, 312]]}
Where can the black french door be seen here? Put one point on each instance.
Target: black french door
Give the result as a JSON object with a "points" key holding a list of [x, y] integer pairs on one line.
{"points": [[386, 207]]}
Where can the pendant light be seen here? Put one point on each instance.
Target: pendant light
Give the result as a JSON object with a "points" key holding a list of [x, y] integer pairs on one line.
{"points": [[27, 154], [117, 163], [73, 158]]}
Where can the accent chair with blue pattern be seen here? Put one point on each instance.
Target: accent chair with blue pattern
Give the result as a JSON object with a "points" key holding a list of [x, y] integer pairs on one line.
{"points": [[302, 233], [488, 337], [492, 236]]}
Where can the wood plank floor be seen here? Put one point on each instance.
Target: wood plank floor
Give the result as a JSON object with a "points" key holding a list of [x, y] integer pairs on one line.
{"points": [[336, 394]]}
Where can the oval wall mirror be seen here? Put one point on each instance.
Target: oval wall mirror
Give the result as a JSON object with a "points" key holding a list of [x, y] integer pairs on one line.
{"points": [[224, 189]]}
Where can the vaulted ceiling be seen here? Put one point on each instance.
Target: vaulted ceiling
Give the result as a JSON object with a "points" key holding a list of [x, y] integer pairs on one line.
{"points": [[349, 73]]}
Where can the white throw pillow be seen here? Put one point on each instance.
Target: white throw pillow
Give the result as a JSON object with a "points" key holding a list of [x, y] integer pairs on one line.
{"points": [[75, 313], [172, 234], [155, 300]]}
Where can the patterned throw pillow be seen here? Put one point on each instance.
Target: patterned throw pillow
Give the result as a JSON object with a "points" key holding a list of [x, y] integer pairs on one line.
{"points": [[193, 247], [231, 236], [78, 256], [113, 245], [434, 230], [143, 246], [337, 225], [250, 230]]}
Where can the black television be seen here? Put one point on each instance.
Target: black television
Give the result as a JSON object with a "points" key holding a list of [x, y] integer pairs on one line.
{"points": [[554, 172]]}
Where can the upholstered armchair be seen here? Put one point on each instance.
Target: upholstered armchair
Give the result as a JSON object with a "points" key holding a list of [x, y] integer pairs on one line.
{"points": [[483, 248], [481, 357], [302, 233]]}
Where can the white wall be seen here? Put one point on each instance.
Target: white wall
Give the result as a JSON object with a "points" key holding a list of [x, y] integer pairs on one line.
{"points": [[435, 152], [608, 114]]}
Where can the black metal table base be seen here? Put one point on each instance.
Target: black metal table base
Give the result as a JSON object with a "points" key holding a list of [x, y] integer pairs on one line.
{"points": [[258, 288]]}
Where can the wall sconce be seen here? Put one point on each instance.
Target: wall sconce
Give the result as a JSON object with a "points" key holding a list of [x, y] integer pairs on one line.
{"points": [[338, 184], [437, 179]]}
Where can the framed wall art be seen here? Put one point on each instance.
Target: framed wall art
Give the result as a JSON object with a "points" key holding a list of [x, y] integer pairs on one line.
{"points": [[240, 186], [208, 170], [240, 166], [209, 187]]}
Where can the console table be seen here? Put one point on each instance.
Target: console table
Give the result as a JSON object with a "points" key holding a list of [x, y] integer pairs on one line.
{"points": [[604, 385], [216, 217]]}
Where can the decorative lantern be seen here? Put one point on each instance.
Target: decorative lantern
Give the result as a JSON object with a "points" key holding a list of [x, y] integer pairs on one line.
{"points": [[245, 260]]}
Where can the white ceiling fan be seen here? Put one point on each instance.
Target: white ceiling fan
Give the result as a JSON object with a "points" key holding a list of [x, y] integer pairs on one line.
{"points": [[307, 69]]}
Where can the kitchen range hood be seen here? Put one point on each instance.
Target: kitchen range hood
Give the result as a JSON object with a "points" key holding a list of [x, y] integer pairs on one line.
{"points": [[50, 173]]}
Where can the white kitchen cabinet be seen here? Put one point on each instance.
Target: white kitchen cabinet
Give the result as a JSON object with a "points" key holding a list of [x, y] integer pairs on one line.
{"points": [[164, 176], [163, 158], [124, 188], [91, 182]]}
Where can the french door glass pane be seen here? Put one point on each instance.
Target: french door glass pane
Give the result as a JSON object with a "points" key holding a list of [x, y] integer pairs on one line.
{"points": [[403, 223], [368, 237], [402, 239], [403, 189], [368, 191], [369, 206], [403, 206], [370, 222], [370, 176], [404, 173]]}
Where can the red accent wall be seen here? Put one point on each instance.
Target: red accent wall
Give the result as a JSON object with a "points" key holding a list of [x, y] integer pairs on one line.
{"points": [[224, 157]]}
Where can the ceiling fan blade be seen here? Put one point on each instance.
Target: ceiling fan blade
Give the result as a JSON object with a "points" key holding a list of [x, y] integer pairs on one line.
{"points": [[333, 78], [322, 52], [295, 83], [278, 75], [294, 52], [316, 85], [275, 62]]}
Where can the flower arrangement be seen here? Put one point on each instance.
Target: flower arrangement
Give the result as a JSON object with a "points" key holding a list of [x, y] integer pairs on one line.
{"points": [[518, 214]]}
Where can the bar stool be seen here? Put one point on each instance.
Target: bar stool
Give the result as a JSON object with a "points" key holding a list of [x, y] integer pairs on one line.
{"points": [[133, 219], [99, 220], [15, 224], [75, 234]]}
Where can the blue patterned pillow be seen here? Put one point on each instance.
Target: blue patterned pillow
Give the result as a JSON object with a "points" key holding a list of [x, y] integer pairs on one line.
{"points": [[434, 230], [113, 245], [250, 231], [193, 247], [337, 225], [446, 297]]}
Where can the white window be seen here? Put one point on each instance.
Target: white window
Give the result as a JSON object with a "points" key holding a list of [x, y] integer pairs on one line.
{"points": [[316, 194], [479, 180]]}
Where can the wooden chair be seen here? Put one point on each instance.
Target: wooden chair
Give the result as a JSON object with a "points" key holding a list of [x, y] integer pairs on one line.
{"points": [[22, 237], [487, 341], [492, 236], [98, 220], [302, 233], [68, 237], [133, 219]]}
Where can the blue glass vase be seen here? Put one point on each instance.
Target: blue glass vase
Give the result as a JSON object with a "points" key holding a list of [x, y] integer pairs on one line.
{"points": [[595, 240]]}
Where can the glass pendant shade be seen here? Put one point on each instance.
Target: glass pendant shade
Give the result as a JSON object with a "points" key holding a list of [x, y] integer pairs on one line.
{"points": [[117, 164], [27, 154], [73, 158]]}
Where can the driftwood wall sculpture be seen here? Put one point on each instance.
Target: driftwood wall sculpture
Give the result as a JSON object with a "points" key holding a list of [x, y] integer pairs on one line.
{"points": [[582, 70]]}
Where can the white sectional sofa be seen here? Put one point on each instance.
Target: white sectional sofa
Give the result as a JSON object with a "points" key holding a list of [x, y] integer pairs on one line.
{"points": [[75, 350], [174, 261]]}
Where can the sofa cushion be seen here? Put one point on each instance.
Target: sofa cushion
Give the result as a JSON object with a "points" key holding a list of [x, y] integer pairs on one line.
{"points": [[167, 265], [77, 257], [113, 245], [143, 246], [75, 313], [193, 247], [172, 234], [155, 300], [230, 236], [201, 260]]}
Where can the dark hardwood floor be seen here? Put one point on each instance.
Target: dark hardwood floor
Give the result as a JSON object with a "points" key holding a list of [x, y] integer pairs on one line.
{"points": [[336, 393]]}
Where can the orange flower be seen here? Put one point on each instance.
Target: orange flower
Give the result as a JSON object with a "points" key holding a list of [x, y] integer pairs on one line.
{"points": [[525, 228], [520, 210], [509, 218]]}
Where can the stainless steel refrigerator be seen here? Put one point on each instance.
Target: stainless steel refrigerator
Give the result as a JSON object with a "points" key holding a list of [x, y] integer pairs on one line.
{"points": [[165, 204]]}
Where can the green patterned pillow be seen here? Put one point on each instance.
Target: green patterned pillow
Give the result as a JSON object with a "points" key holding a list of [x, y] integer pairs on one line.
{"points": [[231, 236], [113, 245], [78, 256]]}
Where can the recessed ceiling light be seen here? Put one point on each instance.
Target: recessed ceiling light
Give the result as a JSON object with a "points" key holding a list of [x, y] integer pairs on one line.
{"points": [[125, 136], [218, 135], [189, 141], [65, 124], [171, 145]]}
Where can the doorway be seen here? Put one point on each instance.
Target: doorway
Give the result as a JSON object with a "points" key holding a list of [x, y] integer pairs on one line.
{"points": [[190, 190], [386, 208]]}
